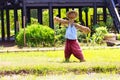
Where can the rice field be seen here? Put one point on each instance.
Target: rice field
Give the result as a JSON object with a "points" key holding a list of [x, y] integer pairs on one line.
{"points": [[101, 64]]}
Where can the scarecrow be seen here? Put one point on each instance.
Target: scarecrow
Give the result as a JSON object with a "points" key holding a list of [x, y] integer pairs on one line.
{"points": [[72, 45]]}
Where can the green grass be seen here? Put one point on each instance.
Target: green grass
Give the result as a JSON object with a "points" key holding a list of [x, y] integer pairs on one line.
{"points": [[52, 62]]}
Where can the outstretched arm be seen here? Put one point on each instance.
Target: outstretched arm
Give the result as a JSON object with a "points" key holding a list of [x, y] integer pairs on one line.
{"points": [[82, 28], [60, 20]]}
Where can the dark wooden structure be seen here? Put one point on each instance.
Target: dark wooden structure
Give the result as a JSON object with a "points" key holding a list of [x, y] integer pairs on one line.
{"points": [[27, 5]]}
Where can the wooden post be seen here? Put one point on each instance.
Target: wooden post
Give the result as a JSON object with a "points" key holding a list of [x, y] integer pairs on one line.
{"points": [[51, 20], [104, 14], [8, 24], [80, 14], [28, 15], [59, 12], [86, 9], [86, 18], [15, 20], [24, 21], [22, 18], [17, 26], [95, 14], [40, 15], [2, 24], [51, 24]]}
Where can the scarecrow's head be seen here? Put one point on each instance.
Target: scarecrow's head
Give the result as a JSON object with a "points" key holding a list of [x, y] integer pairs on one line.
{"points": [[72, 14]]}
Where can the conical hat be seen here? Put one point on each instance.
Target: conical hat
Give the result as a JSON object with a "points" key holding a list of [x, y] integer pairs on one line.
{"points": [[71, 12]]}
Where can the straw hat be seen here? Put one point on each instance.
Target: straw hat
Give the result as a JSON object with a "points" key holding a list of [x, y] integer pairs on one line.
{"points": [[71, 14]]}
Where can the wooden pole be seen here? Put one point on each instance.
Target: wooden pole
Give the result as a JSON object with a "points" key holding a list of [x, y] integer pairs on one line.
{"points": [[40, 15], [24, 30], [28, 15], [17, 26], [80, 14], [24, 22], [22, 18], [95, 14], [8, 24], [2, 24], [51, 24], [51, 21], [104, 14], [86, 18], [59, 12], [15, 20]]}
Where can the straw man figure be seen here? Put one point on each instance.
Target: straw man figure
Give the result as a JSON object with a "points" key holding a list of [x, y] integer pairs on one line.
{"points": [[72, 44]]}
